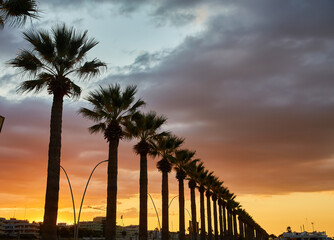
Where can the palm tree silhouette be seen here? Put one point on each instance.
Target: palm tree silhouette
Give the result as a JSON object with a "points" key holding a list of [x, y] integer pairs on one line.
{"points": [[194, 171], [210, 181], [215, 187], [112, 109], [16, 12], [53, 59], [144, 127], [164, 147], [201, 180], [181, 161]]}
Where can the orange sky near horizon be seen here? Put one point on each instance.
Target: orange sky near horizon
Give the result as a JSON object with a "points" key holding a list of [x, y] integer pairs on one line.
{"points": [[273, 212]]}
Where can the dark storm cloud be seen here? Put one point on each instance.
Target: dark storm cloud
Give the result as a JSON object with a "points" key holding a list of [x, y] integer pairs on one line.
{"points": [[253, 94]]}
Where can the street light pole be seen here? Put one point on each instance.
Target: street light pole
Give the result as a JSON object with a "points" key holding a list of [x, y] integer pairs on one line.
{"points": [[155, 210], [83, 197], [69, 183]]}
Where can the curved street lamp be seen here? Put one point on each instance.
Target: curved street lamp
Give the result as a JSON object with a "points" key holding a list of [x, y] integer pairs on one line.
{"points": [[69, 183], [155, 210], [83, 197], [76, 223]]}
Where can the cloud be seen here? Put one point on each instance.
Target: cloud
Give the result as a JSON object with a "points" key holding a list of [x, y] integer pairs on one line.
{"points": [[252, 92], [173, 13]]}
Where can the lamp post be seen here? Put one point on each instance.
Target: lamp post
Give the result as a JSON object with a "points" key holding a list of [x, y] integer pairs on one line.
{"points": [[2, 119], [76, 223], [155, 210], [83, 197], [69, 183]]}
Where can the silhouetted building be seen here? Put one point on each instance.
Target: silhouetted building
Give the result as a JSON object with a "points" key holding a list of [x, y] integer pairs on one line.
{"points": [[14, 227]]}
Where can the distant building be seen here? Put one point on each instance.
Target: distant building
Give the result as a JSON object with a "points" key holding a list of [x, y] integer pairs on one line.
{"points": [[91, 225], [14, 227], [129, 232], [99, 219], [2, 227], [303, 236]]}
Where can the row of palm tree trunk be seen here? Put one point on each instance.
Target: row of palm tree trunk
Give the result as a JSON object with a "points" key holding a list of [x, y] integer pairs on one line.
{"points": [[54, 58]]}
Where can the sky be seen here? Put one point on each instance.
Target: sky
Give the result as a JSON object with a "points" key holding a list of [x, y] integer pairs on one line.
{"points": [[248, 84]]}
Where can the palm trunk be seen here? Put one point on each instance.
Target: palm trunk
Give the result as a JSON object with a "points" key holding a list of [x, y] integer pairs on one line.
{"points": [[143, 197], [224, 220], [208, 194], [235, 227], [229, 219], [201, 190], [241, 229], [215, 216], [164, 192], [49, 230], [181, 210], [192, 185], [220, 219], [112, 190], [247, 231]]}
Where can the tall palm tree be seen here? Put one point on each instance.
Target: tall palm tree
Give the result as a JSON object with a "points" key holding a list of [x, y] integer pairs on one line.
{"points": [[194, 171], [227, 196], [16, 12], [234, 206], [112, 108], [240, 213], [164, 147], [54, 58], [210, 181], [144, 127], [221, 223], [223, 193], [201, 180], [215, 188], [229, 207], [182, 161]]}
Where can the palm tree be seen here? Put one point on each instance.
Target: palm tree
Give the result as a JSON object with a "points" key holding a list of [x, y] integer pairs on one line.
{"points": [[182, 161], [201, 180], [240, 213], [215, 188], [221, 222], [164, 147], [230, 207], [16, 12], [194, 171], [234, 206], [144, 127], [210, 181], [53, 59], [222, 193], [112, 108]]}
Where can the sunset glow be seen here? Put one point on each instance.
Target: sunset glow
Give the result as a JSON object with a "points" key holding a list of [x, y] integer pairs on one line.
{"points": [[249, 85]]}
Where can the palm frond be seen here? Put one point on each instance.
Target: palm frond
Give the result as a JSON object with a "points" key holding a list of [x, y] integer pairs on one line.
{"points": [[62, 38], [100, 127], [35, 85], [95, 116], [42, 43], [88, 45], [18, 11], [91, 68], [75, 90], [27, 61]]}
